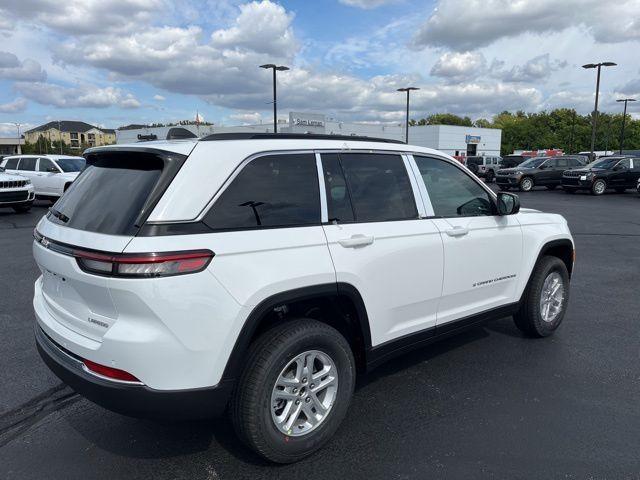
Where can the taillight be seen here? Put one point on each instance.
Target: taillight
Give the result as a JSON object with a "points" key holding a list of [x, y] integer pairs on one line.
{"points": [[109, 372], [143, 265]]}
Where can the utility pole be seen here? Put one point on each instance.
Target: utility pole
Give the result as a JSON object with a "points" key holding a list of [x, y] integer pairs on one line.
{"points": [[595, 110], [406, 125], [275, 68], [624, 119]]}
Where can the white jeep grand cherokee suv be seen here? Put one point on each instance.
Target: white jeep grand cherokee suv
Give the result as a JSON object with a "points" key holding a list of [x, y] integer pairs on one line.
{"points": [[260, 273], [16, 192]]}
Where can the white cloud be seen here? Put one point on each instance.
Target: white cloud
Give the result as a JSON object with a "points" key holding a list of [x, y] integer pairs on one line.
{"points": [[460, 66], [83, 96], [536, 69], [17, 106], [367, 4], [467, 24], [83, 17], [159, 98], [247, 118], [263, 27], [27, 70], [10, 130]]}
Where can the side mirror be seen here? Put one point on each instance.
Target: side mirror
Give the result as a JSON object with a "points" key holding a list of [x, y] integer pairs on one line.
{"points": [[543, 166], [619, 167], [508, 203], [52, 170]]}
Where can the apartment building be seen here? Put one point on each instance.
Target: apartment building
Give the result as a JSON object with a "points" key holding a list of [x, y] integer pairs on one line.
{"points": [[75, 134]]}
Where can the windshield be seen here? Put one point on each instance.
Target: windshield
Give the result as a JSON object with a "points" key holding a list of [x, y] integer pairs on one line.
{"points": [[533, 163], [605, 163], [71, 164]]}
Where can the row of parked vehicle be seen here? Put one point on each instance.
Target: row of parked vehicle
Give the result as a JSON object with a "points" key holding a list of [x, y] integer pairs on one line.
{"points": [[23, 178], [571, 172]]}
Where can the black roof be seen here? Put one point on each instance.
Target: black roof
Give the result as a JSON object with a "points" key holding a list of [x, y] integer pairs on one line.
{"points": [[292, 136], [67, 126]]}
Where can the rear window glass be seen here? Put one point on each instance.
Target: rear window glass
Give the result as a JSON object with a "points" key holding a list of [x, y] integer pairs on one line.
{"points": [[109, 194], [270, 191]]}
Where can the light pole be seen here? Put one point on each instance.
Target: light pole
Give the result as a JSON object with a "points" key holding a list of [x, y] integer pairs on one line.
{"points": [[19, 148], [406, 126], [624, 119], [595, 111], [275, 108]]}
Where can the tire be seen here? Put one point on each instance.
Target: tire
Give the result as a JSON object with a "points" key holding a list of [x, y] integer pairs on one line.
{"points": [[621, 190], [254, 406], [22, 208], [598, 187], [551, 187], [569, 189], [531, 318], [489, 176], [526, 184]]}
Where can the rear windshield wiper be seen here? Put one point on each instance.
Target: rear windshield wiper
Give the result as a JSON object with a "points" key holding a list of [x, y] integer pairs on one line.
{"points": [[59, 215]]}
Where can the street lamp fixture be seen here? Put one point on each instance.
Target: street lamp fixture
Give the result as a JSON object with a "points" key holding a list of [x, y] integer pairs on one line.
{"points": [[406, 125], [624, 119], [595, 110], [275, 68]]}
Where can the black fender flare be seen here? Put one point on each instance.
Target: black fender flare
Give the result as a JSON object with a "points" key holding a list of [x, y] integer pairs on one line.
{"points": [[237, 358]]}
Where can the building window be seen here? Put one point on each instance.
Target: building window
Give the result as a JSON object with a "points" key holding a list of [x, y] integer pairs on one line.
{"points": [[74, 135]]}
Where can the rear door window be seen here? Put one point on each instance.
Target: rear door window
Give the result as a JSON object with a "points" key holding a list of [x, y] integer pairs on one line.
{"points": [[378, 186], [27, 164], [270, 191]]}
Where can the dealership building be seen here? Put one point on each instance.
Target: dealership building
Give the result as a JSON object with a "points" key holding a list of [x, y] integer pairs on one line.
{"points": [[451, 139]]}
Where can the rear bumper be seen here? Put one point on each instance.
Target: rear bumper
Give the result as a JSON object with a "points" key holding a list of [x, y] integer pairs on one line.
{"points": [[133, 400]]}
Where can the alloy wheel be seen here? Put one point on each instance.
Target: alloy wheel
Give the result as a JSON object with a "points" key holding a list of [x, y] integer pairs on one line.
{"points": [[304, 393], [551, 297]]}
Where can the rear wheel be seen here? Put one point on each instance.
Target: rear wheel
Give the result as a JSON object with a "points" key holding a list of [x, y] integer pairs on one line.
{"points": [[294, 391], [598, 187], [545, 300], [526, 184]]}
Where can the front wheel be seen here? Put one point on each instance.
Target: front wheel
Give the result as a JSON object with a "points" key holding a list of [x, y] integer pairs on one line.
{"points": [[294, 391], [489, 176], [545, 299], [598, 187], [22, 208], [526, 184]]}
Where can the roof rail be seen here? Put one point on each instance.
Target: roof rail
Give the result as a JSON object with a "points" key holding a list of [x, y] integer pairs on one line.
{"points": [[292, 136]]}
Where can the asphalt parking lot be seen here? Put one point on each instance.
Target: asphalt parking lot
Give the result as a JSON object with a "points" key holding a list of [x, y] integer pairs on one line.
{"points": [[485, 404]]}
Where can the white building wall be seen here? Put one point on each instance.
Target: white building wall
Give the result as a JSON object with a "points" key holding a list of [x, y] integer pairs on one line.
{"points": [[447, 138]]}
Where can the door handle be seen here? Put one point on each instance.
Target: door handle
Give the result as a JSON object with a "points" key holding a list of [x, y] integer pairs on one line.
{"points": [[457, 231], [356, 241]]}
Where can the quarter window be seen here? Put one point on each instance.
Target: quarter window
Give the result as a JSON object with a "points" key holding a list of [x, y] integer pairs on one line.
{"points": [[452, 192], [378, 186], [270, 191], [626, 163], [27, 164]]}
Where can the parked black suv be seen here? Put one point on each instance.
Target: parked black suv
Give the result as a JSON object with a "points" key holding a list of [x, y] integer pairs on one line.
{"points": [[510, 161], [543, 171], [618, 173]]}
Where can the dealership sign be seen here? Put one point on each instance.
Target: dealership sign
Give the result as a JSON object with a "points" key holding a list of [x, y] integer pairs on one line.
{"points": [[472, 139], [306, 122]]}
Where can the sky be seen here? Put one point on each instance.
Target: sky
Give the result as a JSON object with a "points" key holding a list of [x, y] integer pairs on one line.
{"points": [[115, 62]]}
